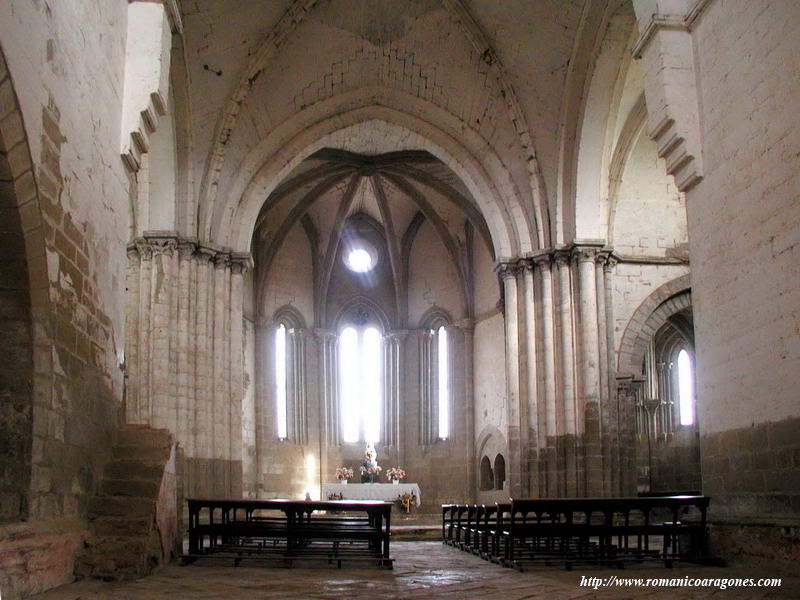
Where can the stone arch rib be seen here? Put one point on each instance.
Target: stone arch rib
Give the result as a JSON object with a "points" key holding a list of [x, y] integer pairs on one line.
{"points": [[669, 299], [19, 192]]}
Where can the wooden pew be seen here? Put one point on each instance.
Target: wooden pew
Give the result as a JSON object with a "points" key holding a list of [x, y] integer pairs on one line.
{"points": [[290, 530], [600, 530]]}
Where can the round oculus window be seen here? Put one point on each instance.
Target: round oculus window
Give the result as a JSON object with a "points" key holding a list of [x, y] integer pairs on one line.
{"points": [[360, 258]]}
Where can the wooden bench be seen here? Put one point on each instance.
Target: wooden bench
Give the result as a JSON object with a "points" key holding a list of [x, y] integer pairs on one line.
{"points": [[574, 530], [604, 530], [289, 530]]}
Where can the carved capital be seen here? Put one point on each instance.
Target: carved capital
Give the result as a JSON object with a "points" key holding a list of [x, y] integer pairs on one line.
{"points": [[602, 257], [562, 258], [507, 270], [325, 335], [144, 248], [133, 254], [240, 263], [584, 254], [204, 254], [222, 260], [611, 262], [542, 261], [398, 335], [186, 249]]}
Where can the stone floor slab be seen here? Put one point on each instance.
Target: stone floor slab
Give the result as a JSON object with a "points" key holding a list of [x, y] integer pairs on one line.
{"points": [[422, 570]]}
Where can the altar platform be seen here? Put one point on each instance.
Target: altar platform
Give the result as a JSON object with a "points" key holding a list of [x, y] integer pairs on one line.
{"points": [[371, 491]]}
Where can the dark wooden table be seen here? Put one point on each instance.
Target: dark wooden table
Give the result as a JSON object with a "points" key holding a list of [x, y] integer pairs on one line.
{"points": [[334, 530]]}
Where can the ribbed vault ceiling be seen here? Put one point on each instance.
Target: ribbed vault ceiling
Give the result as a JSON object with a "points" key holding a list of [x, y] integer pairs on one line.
{"points": [[397, 191]]}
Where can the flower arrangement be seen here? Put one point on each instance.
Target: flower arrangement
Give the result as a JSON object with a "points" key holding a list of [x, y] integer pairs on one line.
{"points": [[396, 473], [374, 470], [407, 500], [343, 473]]}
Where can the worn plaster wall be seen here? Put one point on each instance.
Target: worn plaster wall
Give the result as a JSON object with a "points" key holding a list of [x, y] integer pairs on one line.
{"points": [[67, 79], [489, 387], [291, 278], [432, 281], [650, 212]]}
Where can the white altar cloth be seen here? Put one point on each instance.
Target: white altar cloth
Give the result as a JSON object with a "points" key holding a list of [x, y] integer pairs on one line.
{"points": [[371, 491]]}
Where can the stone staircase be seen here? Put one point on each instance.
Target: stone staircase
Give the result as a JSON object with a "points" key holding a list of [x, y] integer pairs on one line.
{"points": [[133, 520]]}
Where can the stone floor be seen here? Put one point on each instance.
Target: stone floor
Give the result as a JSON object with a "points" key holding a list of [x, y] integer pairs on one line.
{"points": [[422, 570]]}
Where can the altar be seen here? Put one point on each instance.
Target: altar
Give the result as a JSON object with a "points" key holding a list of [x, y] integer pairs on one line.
{"points": [[389, 492]]}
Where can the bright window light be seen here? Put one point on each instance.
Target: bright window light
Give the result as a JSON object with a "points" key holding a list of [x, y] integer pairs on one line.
{"points": [[360, 369], [349, 386], [686, 388], [444, 385], [371, 390], [280, 380], [359, 260]]}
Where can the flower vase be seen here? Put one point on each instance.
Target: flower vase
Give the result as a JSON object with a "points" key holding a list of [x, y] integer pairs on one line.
{"points": [[343, 481], [396, 481]]}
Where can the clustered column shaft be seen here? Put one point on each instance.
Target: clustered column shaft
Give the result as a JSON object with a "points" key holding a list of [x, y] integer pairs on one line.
{"points": [[185, 353], [563, 427]]}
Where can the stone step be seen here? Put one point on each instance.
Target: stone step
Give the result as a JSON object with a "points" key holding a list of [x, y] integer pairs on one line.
{"points": [[158, 454], [131, 547], [130, 470], [121, 506], [122, 526], [143, 435], [141, 488]]}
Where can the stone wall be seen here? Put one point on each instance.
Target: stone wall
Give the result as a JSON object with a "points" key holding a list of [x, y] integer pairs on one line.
{"points": [[739, 96], [61, 111]]}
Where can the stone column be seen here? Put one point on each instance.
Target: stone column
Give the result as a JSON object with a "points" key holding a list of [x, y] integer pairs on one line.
{"points": [[589, 392], [198, 469], [535, 435], [185, 349], [566, 446], [515, 411], [238, 265], [550, 485], [185, 356], [467, 327], [614, 438], [425, 382], [132, 329], [393, 393]]}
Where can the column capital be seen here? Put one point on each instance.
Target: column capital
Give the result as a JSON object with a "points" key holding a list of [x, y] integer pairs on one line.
{"points": [[324, 334], [542, 259], [240, 262], [587, 251], [161, 242], [186, 248], [204, 254], [465, 324], [562, 257], [132, 251], [611, 262], [222, 260], [397, 334], [507, 270]]}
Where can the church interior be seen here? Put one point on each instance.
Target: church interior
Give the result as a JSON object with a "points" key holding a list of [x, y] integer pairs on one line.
{"points": [[545, 250]]}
